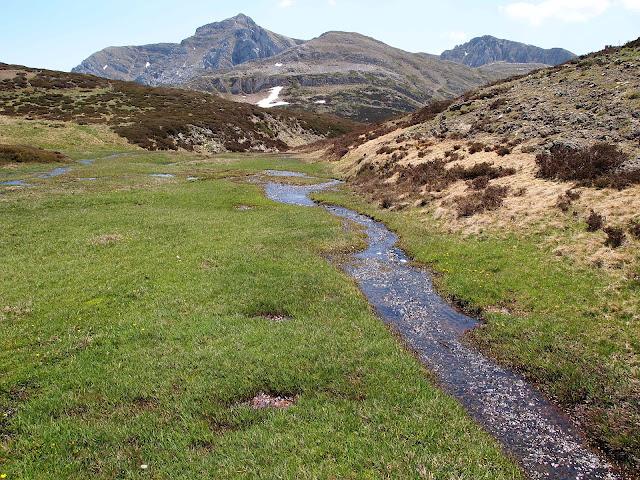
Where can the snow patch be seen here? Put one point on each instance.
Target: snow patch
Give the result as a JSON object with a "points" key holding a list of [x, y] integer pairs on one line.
{"points": [[272, 100], [147, 65], [278, 64], [320, 102], [105, 67]]}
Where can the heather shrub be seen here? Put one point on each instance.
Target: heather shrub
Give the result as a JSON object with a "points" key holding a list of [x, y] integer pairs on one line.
{"points": [[595, 222], [484, 169], [563, 203], [595, 166], [476, 147], [502, 151], [491, 198], [480, 183], [27, 154], [566, 200], [615, 237], [452, 156]]}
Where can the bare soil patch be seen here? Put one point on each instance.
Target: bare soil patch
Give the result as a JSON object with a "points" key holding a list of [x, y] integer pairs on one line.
{"points": [[274, 401], [107, 239]]}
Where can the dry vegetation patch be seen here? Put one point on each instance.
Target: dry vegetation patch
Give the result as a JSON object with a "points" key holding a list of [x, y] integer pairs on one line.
{"points": [[600, 165], [27, 154], [107, 239]]}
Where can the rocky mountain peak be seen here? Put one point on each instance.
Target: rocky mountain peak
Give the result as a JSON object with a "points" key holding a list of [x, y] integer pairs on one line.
{"points": [[239, 21], [216, 46], [484, 50]]}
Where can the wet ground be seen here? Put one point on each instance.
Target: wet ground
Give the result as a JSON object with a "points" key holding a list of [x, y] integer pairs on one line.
{"points": [[58, 171], [546, 442]]}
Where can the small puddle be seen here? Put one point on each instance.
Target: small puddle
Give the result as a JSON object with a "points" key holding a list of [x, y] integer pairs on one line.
{"points": [[163, 175], [545, 441], [56, 172], [285, 173], [15, 183]]}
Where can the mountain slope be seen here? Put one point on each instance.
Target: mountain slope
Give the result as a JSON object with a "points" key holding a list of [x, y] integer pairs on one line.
{"points": [[349, 74], [215, 46], [487, 49], [158, 118]]}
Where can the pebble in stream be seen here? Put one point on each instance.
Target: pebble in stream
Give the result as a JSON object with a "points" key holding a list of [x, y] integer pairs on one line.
{"points": [[546, 442]]}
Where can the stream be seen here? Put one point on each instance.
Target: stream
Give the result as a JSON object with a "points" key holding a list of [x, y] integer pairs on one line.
{"points": [[545, 441]]}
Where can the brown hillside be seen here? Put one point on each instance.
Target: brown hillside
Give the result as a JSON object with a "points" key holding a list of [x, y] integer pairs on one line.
{"points": [[158, 118]]}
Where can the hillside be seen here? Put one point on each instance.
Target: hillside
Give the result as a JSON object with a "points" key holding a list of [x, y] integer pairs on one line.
{"points": [[526, 196], [157, 118], [348, 74], [487, 49], [215, 46]]}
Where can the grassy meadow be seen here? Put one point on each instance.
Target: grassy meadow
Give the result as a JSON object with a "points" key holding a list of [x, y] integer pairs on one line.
{"points": [[139, 315]]}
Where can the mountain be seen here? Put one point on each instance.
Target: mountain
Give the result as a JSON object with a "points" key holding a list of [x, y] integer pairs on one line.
{"points": [[341, 73], [215, 46], [348, 74], [487, 49], [158, 118]]}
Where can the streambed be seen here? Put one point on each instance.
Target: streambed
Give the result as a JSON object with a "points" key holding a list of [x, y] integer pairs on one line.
{"points": [[543, 439]]}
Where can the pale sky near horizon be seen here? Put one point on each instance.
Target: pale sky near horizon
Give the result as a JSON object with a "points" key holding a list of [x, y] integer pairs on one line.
{"points": [[59, 34]]}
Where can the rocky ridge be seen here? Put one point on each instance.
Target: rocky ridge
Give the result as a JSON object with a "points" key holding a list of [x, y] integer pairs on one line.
{"points": [[487, 49], [215, 46]]}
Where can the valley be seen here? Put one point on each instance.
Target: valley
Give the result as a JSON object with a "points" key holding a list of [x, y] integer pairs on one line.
{"points": [[137, 368], [247, 255]]}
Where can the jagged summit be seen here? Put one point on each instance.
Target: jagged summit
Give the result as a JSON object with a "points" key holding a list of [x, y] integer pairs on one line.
{"points": [[215, 46], [240, 20]]}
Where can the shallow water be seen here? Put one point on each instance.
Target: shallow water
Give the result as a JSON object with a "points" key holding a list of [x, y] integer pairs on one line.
{"points": [[546, 442], [15, 183], [285, 173], [56, 172], [163, 175]]}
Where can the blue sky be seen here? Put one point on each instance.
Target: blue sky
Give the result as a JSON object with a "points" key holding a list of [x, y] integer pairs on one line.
{"points": [[58, 34]]}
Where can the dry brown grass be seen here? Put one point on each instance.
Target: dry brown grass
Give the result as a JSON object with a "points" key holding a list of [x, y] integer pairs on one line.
{"points": [[531, 206], [106, 239]]}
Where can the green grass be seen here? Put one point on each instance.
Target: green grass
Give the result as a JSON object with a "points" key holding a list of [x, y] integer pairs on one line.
{"points": [[142, 349], [76, 141], [573, 330]]}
